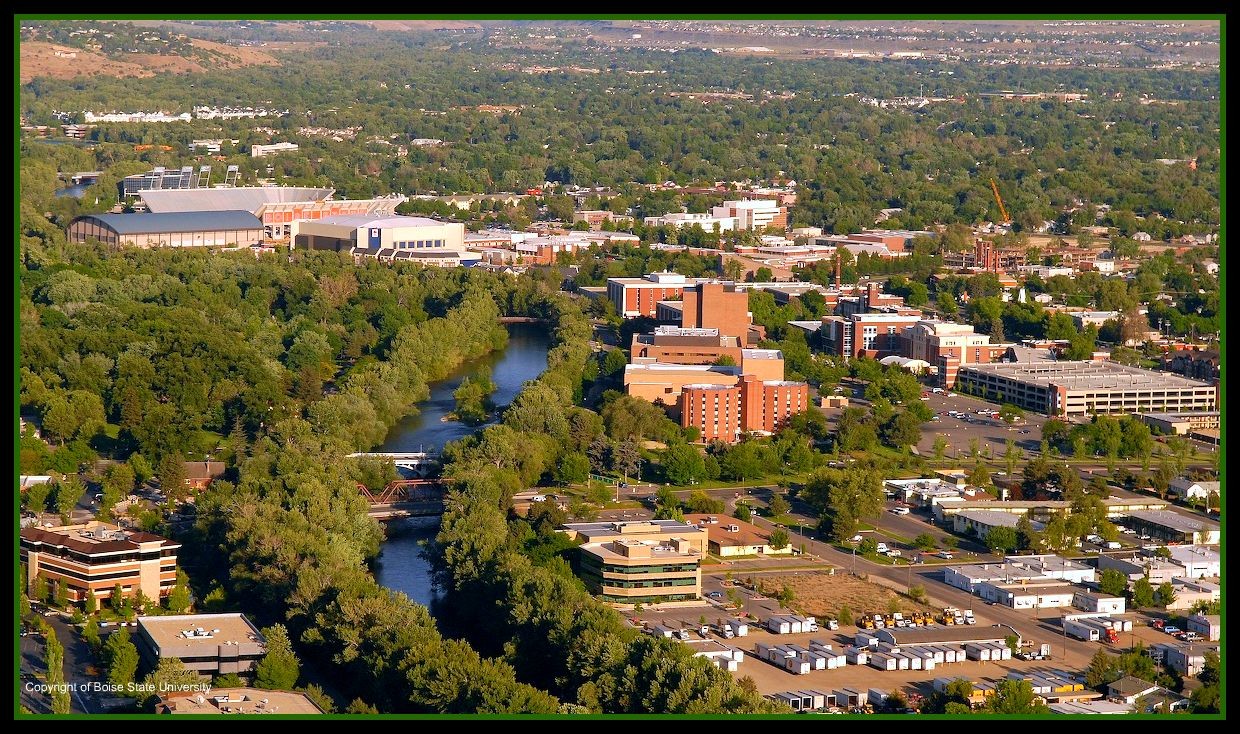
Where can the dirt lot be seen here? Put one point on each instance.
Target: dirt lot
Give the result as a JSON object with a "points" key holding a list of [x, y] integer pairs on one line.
{"points": [[822, 594]]}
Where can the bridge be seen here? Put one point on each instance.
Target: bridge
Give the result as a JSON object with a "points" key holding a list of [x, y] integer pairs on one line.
{"points": [[419, 463], [404, 498]]}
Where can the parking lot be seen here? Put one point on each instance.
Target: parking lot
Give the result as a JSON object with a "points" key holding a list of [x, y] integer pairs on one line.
{"points": [[989, 431]]}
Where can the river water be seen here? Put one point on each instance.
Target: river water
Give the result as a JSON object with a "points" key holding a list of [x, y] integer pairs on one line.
{"points": [[401, 566]]}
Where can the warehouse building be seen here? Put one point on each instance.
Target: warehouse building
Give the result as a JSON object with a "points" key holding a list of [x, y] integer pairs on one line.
{"points": [[1084, 388], [182, 229], [1174, 527], [1196, 561], [1181, 424]]}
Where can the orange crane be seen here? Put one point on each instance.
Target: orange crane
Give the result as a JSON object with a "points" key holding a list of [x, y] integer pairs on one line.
{"points": [[1002, 209]]}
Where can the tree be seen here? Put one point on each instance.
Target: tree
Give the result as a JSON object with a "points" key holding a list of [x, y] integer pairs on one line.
{"points": [[1102, 670], [90, 633], [574, 468], [121, 658], [1015, 697], [1001, 540], [778, 539], [35, 498], [743, 512], [626, 457], [68, 492], [42, 588], [117, 599], [980, 476], [1009, 413], [778, 506], [1166, 594], [279, 668], [940, 446], [61, 596], [925, 542], [700, 502], [179, 598], [1143, 593], [90, 603], [845, 615], [868, 546], [170, 675], [615, 362], [683, 464], [172, 477], [1011, 455], [1113, 582]]}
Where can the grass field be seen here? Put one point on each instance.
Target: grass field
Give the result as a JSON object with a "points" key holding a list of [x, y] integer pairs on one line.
{"points": [[822, 594]]}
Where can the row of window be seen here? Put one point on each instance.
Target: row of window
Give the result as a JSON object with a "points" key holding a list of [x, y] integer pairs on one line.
{"points": [[417, 244]]}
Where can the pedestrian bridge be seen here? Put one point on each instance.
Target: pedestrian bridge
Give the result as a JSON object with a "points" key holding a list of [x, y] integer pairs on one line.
{"points": [[419, 463]]}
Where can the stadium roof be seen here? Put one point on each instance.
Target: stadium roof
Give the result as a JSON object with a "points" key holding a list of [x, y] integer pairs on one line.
{"points": [[176, 221], [250, 198]]}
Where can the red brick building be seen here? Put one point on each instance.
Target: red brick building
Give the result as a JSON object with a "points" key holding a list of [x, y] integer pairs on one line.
{"points": [[716, 305], [638, 296], [724, 412]]}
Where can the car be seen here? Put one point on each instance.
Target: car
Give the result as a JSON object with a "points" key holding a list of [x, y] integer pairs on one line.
{"points": [[925, 394], [714, 595], [899, 510], [894, 553], [925, 397], [936, 419], [882, 548], [1169, 629], [937, 391], [855, 539], [945, 555]]}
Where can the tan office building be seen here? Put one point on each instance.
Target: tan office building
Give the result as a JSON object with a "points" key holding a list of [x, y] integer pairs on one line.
{"points": [[209, 644], [95, 557], [641, 562]]}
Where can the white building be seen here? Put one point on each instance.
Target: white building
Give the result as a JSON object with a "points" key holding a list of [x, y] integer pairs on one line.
{"points": [[1092, 318], [707, 222], [1188, 489], [753, 213], [1098, 603], [258, 151], [397, 238], [1198, 561]]}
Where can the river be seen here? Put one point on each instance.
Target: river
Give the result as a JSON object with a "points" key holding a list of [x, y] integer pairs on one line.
{"points": [[401, 566]]}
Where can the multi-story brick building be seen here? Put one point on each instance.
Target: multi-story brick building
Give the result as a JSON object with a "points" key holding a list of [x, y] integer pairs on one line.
{"points": [[723, 412], [96, 557], [717, 305], [638, 296], [947, 346]]}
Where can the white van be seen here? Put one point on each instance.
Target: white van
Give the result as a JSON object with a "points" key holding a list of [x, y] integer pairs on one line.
{"points": [[882, 547]]}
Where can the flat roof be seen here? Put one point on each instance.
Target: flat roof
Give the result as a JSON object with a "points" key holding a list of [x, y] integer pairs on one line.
{"points": [[593, 531], [181, 630], [1084, 375], [1173, 520], [659, 551], [991, 517], [1183, 416], [249, 198], [671, 367], [239, 701], [761, 354], [180, 221], [1194, 554]]}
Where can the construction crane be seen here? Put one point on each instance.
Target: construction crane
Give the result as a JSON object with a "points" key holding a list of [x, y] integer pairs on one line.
{"points": [[1002, 209]]}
